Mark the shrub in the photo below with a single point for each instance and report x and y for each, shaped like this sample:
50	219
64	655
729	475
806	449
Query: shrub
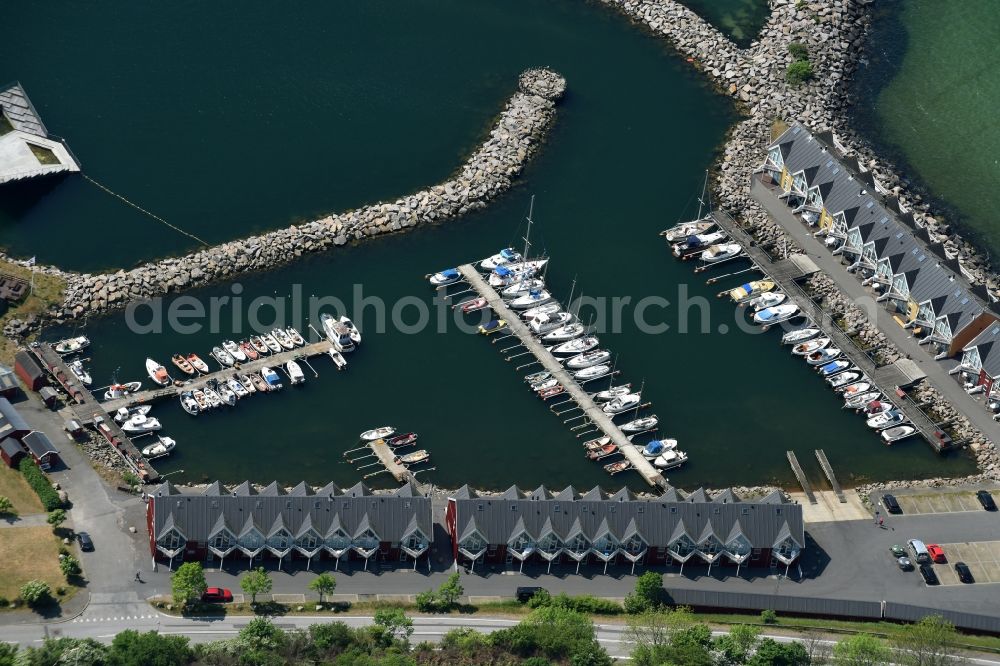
69	566
768	616
799	72
36	593
444	598
56	518
427	601
4	602
6	506
648	594
799	51
36	479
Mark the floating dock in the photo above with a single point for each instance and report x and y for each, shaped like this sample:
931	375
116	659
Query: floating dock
801	476
583	400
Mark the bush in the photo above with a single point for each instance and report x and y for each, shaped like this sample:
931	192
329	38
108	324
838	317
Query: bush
6	507
36	593
648	594
130	648
40	484
69	566
799	72
585	603
444	598
768	616
799	51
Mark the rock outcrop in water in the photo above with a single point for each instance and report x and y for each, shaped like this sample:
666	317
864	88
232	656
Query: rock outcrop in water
487	173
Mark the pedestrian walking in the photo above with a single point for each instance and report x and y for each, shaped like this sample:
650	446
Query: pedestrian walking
880	522
138	577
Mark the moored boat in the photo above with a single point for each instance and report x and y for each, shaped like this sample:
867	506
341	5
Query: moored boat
641	425
76	367
531	299
777	314
182	364
492	326
834	367
197	363
355	333
227	394
199	397
622	403
236	387
503	257
578	346
721	252
272	378
234	350
223	357
800	335
138	424
888	419
593	372
157	372
684	229
876	407
419	456
697	243
259	345
259	383
295	374
117	390
189	404
445	277
537	376
272	344
72	345
596	443
603	452
213	398
474	305
844	378
125	413
377	433
767	300
247	383
855	389
613	392
565	333
162	447
896	433
670	459
295	337
806	348
337	333
249	350
338	358
750	290
860	400
550	322
547	393
548	308
657	448
522	287
405	439
282	338
617	467
823	356
588	358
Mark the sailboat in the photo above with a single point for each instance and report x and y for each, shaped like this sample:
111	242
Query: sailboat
577	346
622	403
589	358
522	287
548	323
531	299
699	225
697	243
613	392
564	333
503	257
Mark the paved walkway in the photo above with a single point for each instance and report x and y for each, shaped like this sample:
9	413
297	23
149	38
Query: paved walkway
33	520
937	373
829	508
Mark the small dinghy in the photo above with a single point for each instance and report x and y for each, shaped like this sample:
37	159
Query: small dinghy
295	374
199	397
501	258
670	459
295	337
801	335
888	419
641	425
213	398
234	350
896	433
116	391
767	300
272	344
445	277
377	433
856	388
844	378
721	252
522	287
163	446
223	357
474	305
613	392
259	383
248	349
860	400
684	229
806	348
564	333
589	358
876	407
182	364
603	452
236	387
282	338
547	393
259	345
776	315
76	367
531	299
596	443
578	346
622	403
657	448
247	383
696	243
272	378
748	291
138	424
406	439
823	356
551	322
125	413
617	467
157	373
71	345
833	368
189	404
593	372
337	358
197	363
414	458
493	326
548	308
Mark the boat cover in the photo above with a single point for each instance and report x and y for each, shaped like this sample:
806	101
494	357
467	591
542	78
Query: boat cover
502	271
450	273
507	254
692	241
654	447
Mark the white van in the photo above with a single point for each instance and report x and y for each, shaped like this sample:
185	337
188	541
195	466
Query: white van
919	550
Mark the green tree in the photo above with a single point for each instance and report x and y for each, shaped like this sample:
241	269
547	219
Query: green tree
331	636
861	650
70	566
450	591
772	653
188	583
926	643
260	634
590	654
323	584
648	593
36	593
131	648
427	601
6	507
8	654
739	644
799	72
395	622
799	51
256	582
555	631
658	629
56	518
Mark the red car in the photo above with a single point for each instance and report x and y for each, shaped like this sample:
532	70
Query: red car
936	552
217	595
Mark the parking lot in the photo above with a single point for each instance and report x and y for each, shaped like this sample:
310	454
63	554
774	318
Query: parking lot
938	503
983	558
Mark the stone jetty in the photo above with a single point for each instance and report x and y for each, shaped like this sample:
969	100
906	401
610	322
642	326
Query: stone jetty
488	172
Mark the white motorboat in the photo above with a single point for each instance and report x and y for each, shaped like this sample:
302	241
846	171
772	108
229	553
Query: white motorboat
876	407
721	252
592	372
888	419
162	447
622	403
548	308
531	299
213	398
522	287
77	369
501	258
749	290
202	402
295	374
445	277
259	345
377	433
859	400
117	390
613	392
227	394
138	424
767	300
247	382
337	358
844	378
823	356
550	322
223	357
125	413
237	387
271	343
801	335
545	384
681	231
641	425
589	358
777	314
355	333
272	378
856	388
71	345
536	377
564	333
894	434
295	337
157	372
507	275
337	333
670	459
234	350
189	404
656	448
577	346
697	243
834	367
806	348
282	338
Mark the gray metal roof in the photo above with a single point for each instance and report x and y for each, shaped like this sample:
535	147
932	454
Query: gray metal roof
8	379
10	419
20	111
39	444
11	447
658	521
988	344
200	516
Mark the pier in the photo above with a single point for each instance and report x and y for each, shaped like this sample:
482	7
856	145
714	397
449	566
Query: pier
801	476
831	477
583	400
783	273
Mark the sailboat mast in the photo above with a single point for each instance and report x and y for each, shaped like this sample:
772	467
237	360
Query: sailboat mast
527	235
701	199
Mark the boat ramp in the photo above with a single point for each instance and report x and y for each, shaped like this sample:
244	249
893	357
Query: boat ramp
577	394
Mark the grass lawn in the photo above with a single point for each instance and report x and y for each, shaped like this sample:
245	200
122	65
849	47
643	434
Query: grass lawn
29	553
48	290
14	487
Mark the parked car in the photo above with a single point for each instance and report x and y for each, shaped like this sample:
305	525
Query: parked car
964	573
919	551
217	595
937	553
86	543
904	563
897	550
524	594
927	571
890	504
986	500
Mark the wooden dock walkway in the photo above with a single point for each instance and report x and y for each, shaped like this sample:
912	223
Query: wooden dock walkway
801	476
822	320
831	477
387	457
596	415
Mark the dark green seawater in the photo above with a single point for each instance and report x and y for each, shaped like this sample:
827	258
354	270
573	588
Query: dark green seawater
307	111
740	20
927	99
